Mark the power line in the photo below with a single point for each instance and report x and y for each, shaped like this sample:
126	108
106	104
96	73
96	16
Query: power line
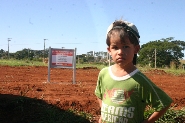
66	43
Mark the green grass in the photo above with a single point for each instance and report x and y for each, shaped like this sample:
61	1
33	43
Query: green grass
175	71
20	109
171	116
99	66
167	70
13	62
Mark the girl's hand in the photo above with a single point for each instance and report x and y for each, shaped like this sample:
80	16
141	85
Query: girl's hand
99	121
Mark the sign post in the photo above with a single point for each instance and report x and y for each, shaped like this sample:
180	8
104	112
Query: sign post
62	58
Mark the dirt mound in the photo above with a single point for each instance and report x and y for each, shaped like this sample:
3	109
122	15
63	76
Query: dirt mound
89	68
157	71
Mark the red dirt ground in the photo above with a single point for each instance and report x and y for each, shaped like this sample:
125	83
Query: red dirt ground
32	82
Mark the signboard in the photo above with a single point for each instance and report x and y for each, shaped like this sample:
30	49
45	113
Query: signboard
62	58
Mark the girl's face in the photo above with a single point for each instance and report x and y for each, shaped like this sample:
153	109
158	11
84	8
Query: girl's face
122	52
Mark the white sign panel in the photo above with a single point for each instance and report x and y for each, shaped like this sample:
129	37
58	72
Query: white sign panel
62	57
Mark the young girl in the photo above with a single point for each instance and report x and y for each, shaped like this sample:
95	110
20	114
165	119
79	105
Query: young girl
123	91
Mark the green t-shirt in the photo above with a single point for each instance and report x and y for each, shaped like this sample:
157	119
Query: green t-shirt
125	98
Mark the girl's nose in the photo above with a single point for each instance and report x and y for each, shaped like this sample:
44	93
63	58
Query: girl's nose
120	51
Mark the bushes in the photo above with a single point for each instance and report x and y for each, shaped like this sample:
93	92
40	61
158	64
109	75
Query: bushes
171	116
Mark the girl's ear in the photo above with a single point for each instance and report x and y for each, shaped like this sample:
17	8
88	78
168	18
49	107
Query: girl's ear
108	49
137	48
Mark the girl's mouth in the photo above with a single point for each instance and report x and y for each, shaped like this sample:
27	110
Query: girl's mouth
120	59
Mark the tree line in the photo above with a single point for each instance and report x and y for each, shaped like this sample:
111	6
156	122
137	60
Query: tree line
162	52
158	53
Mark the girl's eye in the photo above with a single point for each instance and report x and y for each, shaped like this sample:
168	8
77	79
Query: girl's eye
125	46
115	48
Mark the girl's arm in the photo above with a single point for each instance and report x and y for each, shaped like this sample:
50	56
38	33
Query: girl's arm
100	103
155	116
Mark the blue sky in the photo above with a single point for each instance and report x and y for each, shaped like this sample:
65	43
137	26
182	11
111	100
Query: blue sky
82	24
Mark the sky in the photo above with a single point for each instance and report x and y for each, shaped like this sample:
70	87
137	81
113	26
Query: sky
82	24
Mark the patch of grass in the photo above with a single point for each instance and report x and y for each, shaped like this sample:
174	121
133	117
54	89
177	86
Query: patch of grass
167	70
175	71
171	116
99	66
13	62
19	109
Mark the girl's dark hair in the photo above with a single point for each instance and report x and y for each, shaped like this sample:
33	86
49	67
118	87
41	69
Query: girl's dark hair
124	31
122	28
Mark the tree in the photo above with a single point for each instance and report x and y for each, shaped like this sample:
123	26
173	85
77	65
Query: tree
167	50
24	54
2	54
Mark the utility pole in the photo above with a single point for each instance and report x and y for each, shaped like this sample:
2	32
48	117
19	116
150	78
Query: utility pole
155	58
44	48
8	47
28	53
108	58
